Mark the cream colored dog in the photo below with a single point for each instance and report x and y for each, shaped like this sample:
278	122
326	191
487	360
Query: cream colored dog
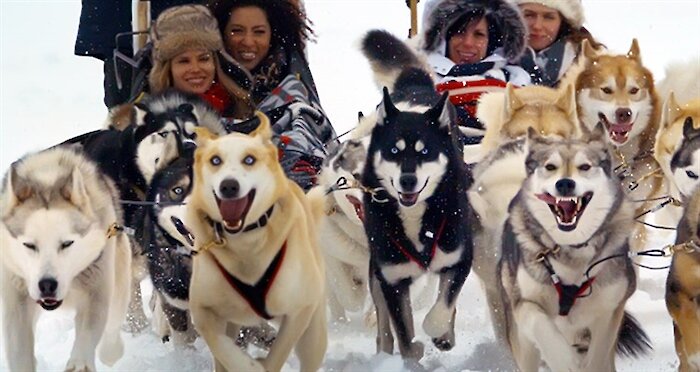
256	233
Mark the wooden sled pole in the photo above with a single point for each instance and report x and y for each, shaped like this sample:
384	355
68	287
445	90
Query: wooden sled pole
141	23
413	4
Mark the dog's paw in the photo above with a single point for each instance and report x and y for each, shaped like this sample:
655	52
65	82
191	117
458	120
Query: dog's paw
445	342
414	351
80	366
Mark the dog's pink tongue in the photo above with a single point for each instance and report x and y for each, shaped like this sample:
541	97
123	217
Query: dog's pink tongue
568	209
233	210
619	132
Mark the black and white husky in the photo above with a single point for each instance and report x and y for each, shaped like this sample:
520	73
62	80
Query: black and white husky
565	273
416	211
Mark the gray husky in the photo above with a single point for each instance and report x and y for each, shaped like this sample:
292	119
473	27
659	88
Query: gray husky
60	246
565	270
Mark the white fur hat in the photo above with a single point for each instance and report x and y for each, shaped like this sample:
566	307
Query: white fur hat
572	10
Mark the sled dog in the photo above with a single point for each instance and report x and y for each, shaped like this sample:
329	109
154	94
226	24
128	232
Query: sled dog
618	91
256	234
416	215
60	247
346	252
678	145
562	306
682	78
500	174
683	287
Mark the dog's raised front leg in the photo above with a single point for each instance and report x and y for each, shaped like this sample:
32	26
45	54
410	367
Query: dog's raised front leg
601	350
535	325
398	302
385	339
312	345
291	329
223	348
439	323
18	313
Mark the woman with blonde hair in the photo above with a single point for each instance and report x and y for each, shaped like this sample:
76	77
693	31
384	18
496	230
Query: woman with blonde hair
188	55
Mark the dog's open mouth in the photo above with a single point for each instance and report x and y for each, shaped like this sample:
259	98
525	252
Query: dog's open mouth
49	303
234	211
408	199
566	210
618	133
357	204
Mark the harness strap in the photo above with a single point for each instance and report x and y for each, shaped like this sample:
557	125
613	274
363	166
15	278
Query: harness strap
255	295
425	262
568	294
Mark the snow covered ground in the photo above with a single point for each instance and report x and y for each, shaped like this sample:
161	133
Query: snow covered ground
48	95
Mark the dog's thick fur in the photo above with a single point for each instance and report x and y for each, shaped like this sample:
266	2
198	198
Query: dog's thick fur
237	179
682	78
416	222
569	213
500	174
683	287
54	249
677	146
346	252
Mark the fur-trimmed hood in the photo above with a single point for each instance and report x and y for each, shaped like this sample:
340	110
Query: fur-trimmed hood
439	15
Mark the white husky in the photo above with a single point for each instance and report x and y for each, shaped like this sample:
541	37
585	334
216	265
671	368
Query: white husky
59	244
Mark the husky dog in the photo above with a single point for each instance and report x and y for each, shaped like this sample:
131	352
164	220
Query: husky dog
416	215
346	254
256	234
507	116
618	91
59	243
162	128
683	287
678	145
682	78
561	304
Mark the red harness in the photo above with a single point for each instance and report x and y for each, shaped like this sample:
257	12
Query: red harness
425	262
568	294
255	295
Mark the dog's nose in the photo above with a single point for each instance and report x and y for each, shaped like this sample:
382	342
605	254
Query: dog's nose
565	186
408	182
47	287
229	188
623	115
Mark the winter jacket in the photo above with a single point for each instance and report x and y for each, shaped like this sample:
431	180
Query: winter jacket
549	65
466	82
303	133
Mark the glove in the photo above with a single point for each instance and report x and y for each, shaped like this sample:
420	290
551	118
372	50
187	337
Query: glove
299	108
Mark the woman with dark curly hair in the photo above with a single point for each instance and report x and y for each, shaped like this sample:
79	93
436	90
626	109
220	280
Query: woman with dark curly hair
268	37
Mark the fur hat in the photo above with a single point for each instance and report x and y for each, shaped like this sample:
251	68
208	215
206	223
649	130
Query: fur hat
571	10
440	15
183	27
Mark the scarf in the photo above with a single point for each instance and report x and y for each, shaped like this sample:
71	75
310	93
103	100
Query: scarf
268	74
547	65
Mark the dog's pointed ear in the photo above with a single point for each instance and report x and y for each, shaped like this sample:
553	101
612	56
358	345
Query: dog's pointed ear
633	53
386	109
689	130
513	103
532	134
567	102
440	113
15	193
588	50
140	113
202	135
264	130
75	191
596	135
671	111
185	108
360	115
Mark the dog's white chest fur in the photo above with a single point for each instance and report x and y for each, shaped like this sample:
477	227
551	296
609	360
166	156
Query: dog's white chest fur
412	221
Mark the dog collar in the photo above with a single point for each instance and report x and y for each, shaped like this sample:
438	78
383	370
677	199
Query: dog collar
262	221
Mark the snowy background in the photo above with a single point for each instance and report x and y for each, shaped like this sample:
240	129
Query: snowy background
48	95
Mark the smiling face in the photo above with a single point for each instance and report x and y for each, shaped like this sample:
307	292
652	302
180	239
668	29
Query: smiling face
193	71
248	36
543	24
469	45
